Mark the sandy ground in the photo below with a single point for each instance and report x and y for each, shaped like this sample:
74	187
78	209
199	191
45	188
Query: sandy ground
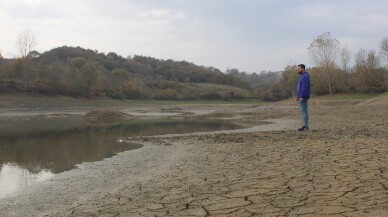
339	168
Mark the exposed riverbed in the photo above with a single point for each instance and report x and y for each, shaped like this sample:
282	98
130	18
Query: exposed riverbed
338	168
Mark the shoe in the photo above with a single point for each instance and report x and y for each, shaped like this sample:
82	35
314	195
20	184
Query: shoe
303	128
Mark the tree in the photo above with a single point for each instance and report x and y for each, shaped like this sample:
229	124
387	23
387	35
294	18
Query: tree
34	54
369	74
25	44
346	56
112	56
289	80
384	48
78	62
120	73
324	51
89	78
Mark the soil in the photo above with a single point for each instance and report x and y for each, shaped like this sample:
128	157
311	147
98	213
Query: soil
338	168
106	116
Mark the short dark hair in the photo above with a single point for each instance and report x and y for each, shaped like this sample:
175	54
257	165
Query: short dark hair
302	66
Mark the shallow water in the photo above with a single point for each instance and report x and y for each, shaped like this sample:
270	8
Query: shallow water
30	155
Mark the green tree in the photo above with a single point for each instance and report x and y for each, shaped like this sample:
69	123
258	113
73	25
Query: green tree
89	78
78	62
121	74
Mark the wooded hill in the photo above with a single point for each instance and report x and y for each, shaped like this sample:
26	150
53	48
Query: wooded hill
75	71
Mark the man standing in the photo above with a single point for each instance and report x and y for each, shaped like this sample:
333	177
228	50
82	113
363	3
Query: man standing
303	95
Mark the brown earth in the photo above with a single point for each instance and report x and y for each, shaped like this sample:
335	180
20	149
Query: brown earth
106	116
338	168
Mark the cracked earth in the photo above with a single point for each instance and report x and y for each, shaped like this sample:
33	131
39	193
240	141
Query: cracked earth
339	168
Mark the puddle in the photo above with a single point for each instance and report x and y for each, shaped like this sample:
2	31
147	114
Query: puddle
14	177
35	151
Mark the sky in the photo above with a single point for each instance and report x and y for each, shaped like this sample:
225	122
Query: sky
250	35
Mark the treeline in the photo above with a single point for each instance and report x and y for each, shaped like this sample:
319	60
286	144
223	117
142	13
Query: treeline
262	84
337	70
75	71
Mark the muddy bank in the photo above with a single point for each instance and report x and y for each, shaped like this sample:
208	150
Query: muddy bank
339	168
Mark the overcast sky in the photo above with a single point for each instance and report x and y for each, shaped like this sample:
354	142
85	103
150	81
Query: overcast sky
251	35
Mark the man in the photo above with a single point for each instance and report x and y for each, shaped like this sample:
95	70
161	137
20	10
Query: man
303	95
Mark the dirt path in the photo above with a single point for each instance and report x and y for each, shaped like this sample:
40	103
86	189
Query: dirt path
339	168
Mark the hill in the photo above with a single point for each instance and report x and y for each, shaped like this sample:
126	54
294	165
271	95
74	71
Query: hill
82	72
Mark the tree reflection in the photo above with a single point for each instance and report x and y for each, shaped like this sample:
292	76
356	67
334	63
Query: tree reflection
58	151
14	178
26	158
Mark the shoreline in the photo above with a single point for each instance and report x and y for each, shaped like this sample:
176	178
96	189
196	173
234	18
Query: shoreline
147	162
76	184
338	168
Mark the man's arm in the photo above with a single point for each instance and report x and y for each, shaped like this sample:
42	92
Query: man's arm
303	92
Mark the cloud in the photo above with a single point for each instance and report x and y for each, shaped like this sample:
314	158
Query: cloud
249	35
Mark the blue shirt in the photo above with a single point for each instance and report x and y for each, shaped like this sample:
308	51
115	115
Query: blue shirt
303	87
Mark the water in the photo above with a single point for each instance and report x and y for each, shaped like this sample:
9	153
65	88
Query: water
14	178
33	154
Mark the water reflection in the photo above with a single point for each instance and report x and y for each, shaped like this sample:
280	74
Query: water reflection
13	178
33	156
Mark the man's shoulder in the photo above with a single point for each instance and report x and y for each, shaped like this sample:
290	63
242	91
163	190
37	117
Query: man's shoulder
306	74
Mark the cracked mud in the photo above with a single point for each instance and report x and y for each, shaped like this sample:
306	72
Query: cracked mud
340	168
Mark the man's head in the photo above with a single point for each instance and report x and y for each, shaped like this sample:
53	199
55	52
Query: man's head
301	68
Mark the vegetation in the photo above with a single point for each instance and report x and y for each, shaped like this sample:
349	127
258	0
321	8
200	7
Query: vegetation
76	72
334	73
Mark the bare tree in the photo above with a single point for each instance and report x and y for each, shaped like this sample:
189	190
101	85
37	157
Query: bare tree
384	48
25	44
360	56
366	60
324	51
369	76
345	59
373	60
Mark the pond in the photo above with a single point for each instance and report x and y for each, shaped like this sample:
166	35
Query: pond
34	152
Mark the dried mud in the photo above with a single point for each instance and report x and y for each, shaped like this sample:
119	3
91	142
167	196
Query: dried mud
339	168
